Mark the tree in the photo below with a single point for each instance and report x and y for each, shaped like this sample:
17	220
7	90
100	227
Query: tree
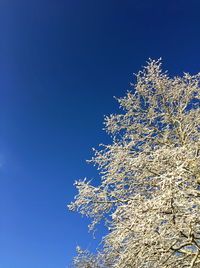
149	194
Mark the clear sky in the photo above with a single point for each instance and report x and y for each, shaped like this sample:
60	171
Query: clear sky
61	63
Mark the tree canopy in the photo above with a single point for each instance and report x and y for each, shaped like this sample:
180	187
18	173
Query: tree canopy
149	196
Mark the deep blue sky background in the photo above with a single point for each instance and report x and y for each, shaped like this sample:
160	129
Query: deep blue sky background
61	63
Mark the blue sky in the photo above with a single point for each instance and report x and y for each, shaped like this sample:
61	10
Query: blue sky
61	63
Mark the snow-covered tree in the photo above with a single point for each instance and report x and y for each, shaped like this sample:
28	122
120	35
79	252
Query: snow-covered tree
149	196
